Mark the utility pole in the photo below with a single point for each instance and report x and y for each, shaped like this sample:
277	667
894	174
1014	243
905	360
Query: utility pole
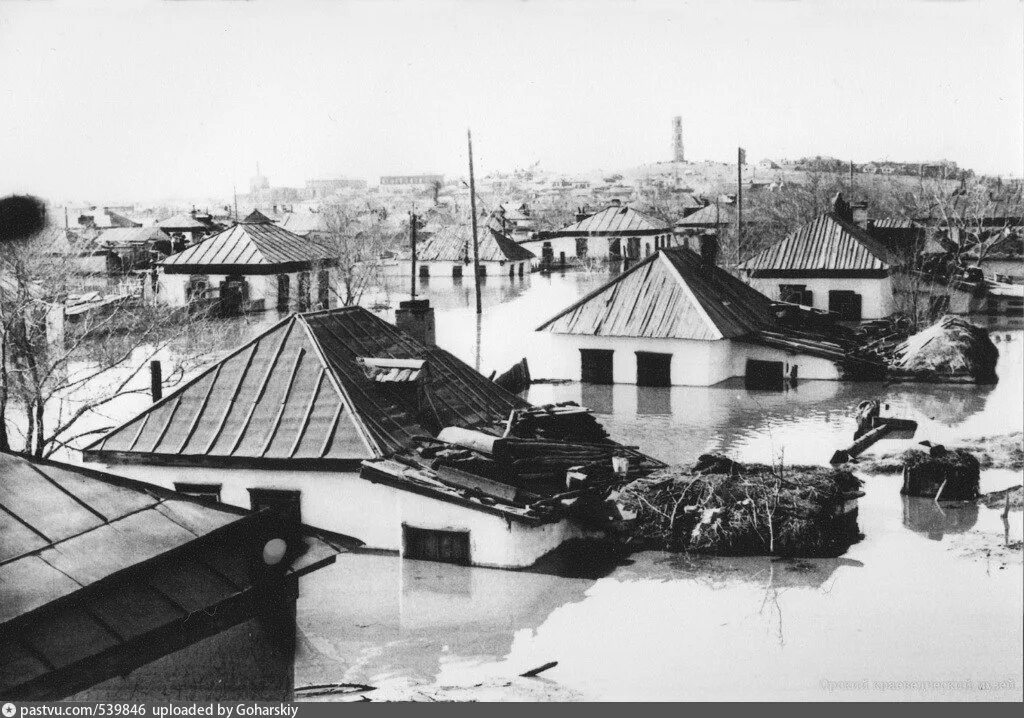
851	174
741	157
234	192
472	209
412	241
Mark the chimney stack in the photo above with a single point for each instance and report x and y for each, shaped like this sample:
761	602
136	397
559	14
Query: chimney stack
580	214
415	317
616	202
859	214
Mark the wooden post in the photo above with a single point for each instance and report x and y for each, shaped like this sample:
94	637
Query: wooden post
156	382
412	241
472	208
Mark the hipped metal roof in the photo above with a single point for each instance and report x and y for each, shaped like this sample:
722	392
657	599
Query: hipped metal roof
672	294
259	245
97	573
181	221
712	215
827	244
614	220
454	243
122	236
299	394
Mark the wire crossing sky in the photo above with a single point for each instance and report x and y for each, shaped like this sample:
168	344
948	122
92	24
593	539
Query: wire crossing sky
140	101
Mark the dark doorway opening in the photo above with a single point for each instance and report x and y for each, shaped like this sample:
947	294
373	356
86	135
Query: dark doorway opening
304	292
435	545
323	289
456	271
653	369
596	366
764	374
846	304
233	294
284	284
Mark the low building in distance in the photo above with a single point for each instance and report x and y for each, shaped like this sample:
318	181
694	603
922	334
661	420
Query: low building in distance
448	252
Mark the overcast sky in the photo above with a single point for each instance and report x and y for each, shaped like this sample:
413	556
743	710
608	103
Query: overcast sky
136	101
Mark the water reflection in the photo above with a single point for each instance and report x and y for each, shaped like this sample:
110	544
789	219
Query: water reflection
935	520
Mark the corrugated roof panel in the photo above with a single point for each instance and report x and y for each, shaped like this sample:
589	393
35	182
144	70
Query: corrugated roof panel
615	220
826	244
252	244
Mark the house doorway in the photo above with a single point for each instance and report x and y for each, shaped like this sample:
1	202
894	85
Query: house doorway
653	369
436	545
596	366
764	375
284	286
233	294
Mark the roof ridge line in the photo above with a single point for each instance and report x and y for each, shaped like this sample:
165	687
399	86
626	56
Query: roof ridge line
693	297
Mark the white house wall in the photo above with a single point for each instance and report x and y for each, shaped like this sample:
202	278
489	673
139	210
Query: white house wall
174	287
694	362
597	246
876	294
345	503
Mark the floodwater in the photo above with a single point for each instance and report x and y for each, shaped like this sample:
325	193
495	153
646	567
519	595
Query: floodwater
928	605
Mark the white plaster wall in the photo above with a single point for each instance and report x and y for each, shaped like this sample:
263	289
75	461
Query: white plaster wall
443	270
173	287
694	363
344	503
876	294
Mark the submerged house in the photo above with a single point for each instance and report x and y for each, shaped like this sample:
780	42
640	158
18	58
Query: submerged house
448	252
252	266
111	589
130	248
615	233
830	264
325	411
678	319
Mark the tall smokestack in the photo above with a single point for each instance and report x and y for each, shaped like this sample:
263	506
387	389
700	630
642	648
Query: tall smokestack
678	154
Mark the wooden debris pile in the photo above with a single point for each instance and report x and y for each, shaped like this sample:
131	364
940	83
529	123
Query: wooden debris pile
951	350
723	507
565	421
941	474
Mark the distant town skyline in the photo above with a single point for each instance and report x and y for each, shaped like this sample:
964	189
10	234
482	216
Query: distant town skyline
140	102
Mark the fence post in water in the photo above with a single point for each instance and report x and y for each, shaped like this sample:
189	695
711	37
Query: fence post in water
156	382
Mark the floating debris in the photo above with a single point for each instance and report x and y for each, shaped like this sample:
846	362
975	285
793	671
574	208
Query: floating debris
951	350
941	474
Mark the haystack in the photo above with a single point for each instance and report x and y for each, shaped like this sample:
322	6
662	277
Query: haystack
723	507
948	475
949	350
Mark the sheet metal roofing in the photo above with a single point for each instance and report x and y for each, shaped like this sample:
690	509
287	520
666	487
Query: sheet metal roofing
454	243
120	236
827	244
250	245
66	529
299	392
671	295
712	215
182	221
615	220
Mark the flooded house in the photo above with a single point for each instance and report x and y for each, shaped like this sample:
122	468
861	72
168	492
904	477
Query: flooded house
111	589
448	252
831	264
332	413
615	233
185	229
251	266
1000	258
678	319
514	219
129	248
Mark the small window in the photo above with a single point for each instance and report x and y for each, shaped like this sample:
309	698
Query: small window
483	270
845	304
795	294
283	291
288	503
764	374
210	492
456	272
581	247
424	271
323	289
435	545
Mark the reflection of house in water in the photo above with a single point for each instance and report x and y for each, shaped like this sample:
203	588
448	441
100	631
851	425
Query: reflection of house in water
935	520
410	618
111	591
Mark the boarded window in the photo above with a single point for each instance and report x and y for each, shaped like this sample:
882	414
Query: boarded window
653	369
845	304
287	502
210	492
596	366
764	374
434	545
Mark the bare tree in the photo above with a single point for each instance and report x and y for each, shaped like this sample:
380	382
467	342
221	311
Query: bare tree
356	238
58	373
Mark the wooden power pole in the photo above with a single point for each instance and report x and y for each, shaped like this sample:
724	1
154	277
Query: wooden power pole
412	242
741	156
472	209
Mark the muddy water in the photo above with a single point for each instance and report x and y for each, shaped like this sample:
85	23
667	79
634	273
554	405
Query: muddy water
927	606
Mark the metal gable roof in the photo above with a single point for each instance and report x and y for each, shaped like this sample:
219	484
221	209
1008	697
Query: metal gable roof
826	244
454	243
712	215
670	295
120	236
261	244
182	220
615	220
299	392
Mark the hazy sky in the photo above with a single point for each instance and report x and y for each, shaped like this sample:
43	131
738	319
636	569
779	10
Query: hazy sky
142	100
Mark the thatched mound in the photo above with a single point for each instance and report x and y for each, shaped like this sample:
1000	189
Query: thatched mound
950	349
723	507
949	475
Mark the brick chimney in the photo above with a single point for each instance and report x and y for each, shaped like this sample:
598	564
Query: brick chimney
415	317
580	214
